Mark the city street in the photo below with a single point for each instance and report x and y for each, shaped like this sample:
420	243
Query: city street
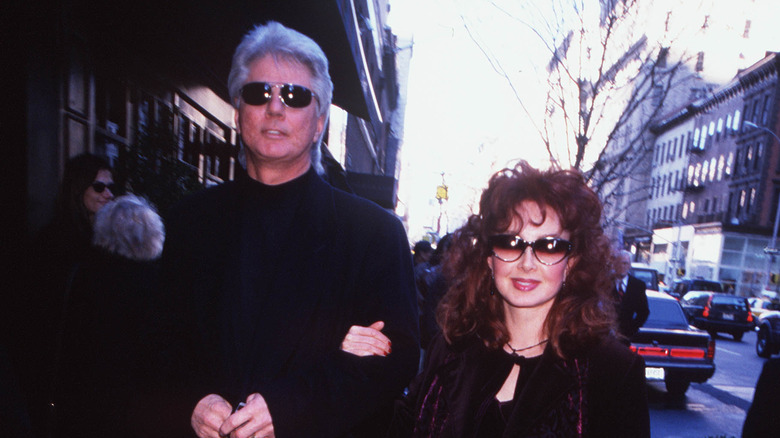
716	408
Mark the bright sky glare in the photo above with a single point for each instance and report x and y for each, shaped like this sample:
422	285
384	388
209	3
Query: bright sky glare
462	116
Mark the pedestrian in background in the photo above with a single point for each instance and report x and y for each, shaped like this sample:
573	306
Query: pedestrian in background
629	296
268	272
762	420
421	256
107	348
436	286
54	256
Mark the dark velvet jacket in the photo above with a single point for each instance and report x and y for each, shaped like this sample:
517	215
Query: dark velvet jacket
601	393
346	262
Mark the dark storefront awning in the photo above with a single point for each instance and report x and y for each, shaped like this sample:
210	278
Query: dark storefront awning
196	40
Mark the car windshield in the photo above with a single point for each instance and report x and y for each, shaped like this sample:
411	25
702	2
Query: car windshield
731	303
706	285
647	276
665	313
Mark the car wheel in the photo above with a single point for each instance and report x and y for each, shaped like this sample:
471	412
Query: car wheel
737	336
677	387
762	343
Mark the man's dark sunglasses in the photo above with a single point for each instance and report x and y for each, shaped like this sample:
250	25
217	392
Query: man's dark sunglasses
548	250
100	186
259	93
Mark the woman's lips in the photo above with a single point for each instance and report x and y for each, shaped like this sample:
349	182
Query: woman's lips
524	284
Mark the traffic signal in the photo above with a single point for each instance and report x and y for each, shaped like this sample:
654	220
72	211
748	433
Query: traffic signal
774	278
681	272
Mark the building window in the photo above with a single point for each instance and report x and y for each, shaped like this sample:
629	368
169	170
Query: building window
735	126
674	148
691	171
721	165
682	144
719	129
705	168
765	113
685	211
697	175
706	206
729	163
759	155
756	112
753	196
703	138
713	164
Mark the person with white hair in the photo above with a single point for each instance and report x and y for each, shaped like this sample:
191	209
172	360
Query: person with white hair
268	272
104	366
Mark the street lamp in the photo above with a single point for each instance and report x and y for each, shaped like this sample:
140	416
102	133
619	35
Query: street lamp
771	250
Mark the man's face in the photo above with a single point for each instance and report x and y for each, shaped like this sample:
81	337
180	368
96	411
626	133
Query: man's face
278	138
622	265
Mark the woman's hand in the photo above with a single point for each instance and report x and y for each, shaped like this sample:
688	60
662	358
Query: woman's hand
367	341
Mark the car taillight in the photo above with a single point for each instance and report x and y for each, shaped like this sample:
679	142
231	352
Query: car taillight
706	312
711	349
687	353
678	353
750	317
651	351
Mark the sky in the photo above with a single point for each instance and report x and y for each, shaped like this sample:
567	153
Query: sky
464	119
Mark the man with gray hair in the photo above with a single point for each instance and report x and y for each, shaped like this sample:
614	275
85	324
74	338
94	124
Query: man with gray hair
630	297
270	271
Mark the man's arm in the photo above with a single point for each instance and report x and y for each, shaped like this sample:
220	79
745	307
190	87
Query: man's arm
339	391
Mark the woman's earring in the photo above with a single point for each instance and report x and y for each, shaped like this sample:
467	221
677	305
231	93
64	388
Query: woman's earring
492	284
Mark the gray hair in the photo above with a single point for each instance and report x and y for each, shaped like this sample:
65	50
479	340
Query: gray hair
283	43
130	227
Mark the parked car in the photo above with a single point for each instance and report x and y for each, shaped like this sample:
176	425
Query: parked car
759	306
647	274
685	285
674	352
768	337
718	313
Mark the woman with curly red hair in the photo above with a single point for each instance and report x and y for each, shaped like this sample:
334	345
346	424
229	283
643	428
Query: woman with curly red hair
528	344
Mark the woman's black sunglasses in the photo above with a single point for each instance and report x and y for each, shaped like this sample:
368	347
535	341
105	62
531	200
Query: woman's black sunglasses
548	250
293	96
100	186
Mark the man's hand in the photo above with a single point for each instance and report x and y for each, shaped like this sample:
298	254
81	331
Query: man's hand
251	421
209	414
367	341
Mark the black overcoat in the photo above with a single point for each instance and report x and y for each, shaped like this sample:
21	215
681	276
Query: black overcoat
347	262
632	309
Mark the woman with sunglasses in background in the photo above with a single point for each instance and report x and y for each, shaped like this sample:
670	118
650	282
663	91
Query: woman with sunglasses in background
55	255
528	345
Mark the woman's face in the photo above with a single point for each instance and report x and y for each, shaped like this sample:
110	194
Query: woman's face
526	283
94	200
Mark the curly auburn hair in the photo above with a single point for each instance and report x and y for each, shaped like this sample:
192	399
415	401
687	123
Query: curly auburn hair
582	313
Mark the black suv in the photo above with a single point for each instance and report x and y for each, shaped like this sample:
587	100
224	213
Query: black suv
685	285
716	312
